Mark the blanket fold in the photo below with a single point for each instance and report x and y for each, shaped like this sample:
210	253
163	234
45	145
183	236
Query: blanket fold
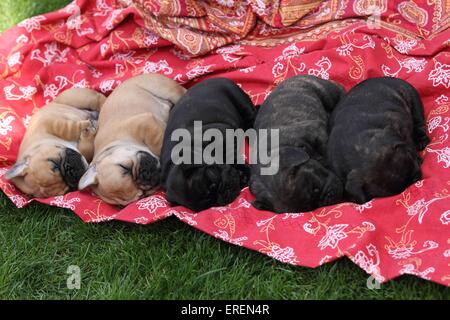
258	44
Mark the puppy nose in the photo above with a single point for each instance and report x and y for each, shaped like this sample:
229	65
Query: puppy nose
331	194
72	168
148	173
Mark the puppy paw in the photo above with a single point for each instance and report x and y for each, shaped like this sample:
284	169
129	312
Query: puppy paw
262	205
258	205
88	129
93	115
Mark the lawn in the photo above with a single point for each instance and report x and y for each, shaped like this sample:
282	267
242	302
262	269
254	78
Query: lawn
168	260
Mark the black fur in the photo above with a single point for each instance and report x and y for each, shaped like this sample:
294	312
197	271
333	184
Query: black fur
299	107
220	104
377	131
147	171
72	168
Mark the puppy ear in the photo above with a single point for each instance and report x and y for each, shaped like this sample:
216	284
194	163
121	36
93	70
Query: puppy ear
262	205
295	161
294	156
19	169
263	198
90	178
175	184
354	187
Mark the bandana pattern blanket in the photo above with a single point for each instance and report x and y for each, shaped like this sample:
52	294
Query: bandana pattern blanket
258	44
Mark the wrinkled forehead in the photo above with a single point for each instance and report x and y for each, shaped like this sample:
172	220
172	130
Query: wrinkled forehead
45	152
307	175
389	156
116	154
111	170
287	156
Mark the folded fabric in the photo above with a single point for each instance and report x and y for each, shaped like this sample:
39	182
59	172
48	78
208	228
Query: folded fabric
201	26
258	44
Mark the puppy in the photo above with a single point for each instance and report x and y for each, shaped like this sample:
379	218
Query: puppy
126	164
58	145
220	105
377	130
299	107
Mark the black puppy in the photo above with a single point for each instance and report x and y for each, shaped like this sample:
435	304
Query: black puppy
219	104
299	107
376	132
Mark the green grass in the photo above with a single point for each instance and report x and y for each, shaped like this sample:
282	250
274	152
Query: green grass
14	11
168	260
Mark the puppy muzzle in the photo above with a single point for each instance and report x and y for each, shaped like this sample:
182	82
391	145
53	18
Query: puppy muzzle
230	186
148	171
73	166
333	191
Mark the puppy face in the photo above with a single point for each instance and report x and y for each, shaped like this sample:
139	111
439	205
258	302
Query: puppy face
302	184
48	171
199	187
122	175
392	170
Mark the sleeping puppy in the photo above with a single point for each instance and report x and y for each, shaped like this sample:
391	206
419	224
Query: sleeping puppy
126	164
377	130
299	107
58	145
219	104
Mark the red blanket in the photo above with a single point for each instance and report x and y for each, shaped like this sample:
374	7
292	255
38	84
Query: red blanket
100	43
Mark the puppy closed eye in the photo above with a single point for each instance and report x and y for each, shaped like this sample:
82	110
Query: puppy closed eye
126	170
308	148
56	164
304	147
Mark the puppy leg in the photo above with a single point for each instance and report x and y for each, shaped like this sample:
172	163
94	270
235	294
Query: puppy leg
147	129
168	91
263	198
65	129
82	98
354	187
86	143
